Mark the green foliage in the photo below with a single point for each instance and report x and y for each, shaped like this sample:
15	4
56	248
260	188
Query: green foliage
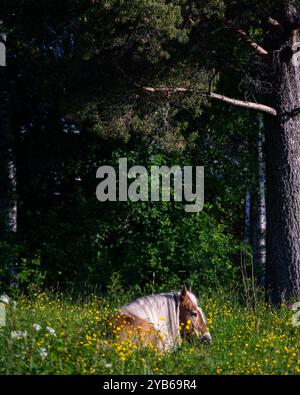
81	242
29	274
146	237
7	253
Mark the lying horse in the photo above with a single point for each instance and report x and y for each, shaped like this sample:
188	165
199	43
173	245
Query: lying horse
162	320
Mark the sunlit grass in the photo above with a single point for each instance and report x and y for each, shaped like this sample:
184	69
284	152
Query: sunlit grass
50	334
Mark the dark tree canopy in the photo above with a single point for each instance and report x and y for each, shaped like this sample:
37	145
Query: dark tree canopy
158	82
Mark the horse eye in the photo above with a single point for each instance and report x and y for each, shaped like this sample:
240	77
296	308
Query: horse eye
193	313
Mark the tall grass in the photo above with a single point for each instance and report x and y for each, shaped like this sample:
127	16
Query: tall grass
56	334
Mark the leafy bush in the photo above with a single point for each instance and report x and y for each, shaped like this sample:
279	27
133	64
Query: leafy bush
81	242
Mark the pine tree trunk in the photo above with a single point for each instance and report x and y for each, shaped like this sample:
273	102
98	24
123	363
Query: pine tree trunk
283	172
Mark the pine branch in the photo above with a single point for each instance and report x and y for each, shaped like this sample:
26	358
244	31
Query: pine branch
256	47
215	96
273	22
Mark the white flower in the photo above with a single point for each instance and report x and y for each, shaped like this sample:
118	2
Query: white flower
37	327
4	299
50	330
43	352
106	364
18	334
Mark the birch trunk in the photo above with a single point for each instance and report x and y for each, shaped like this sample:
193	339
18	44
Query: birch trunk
247	217
260	221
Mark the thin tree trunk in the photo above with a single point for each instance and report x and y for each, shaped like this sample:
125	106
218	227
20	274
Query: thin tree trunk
247	217
260	221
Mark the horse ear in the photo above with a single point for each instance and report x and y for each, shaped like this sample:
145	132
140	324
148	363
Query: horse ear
183	293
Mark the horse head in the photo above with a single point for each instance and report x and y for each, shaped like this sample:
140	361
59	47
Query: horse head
191	317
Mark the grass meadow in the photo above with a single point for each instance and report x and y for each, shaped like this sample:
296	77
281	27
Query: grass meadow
56	334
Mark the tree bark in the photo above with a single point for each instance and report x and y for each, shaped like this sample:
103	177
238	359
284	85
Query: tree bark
283	172
260	221
247	217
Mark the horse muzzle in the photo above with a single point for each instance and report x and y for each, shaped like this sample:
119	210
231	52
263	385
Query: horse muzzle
206	338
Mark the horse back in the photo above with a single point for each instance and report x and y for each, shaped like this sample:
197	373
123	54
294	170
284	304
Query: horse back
139	331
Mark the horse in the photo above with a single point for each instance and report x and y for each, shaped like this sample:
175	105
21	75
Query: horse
162	321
